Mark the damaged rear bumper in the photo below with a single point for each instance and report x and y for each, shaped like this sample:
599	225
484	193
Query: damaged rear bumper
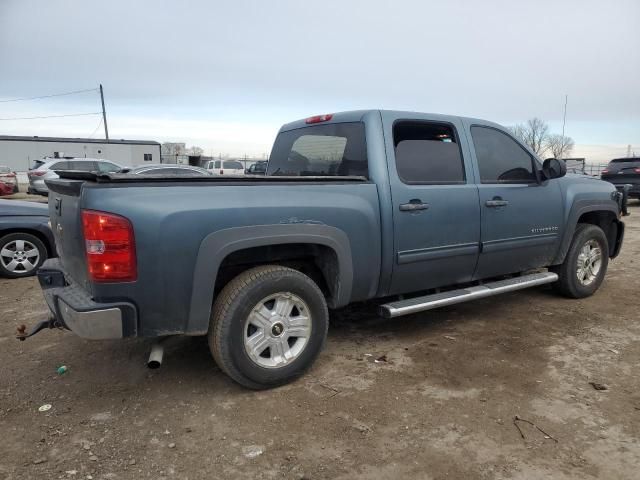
74	308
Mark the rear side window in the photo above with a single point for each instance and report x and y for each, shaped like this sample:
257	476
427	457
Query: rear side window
500	158
427	153
60	166
321	150
232	165
85	166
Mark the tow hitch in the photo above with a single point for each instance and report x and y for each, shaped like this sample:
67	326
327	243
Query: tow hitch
21	331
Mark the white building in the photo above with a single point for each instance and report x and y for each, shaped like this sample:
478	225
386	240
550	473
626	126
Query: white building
18	153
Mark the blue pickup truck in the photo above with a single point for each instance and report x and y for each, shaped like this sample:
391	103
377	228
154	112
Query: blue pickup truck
414	210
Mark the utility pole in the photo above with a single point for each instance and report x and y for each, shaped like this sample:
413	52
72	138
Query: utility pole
104	115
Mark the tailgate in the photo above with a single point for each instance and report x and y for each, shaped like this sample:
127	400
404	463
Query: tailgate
66	224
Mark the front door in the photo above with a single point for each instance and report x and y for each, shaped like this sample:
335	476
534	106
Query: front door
436	213
521	217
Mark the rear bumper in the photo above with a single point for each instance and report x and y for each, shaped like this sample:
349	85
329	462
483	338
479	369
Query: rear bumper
73	307
633	188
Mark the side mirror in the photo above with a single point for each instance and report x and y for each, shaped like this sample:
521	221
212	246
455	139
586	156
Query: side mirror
553	168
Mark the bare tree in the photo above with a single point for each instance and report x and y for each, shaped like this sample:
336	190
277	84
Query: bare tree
534	133
194	151
559	146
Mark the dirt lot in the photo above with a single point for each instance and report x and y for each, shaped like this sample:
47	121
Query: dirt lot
442	405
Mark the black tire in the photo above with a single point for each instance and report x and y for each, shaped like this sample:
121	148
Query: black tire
568	284
227	328
7	241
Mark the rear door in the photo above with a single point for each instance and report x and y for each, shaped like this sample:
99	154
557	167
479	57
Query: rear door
521	217
436	214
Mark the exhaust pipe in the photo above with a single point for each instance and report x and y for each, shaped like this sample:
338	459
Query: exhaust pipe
155	357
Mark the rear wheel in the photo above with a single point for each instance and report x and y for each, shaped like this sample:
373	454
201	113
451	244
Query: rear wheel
586	262
21	254
268	326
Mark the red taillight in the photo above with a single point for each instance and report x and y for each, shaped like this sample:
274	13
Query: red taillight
110	247
319	118
221	172
604	171
36	173
636	170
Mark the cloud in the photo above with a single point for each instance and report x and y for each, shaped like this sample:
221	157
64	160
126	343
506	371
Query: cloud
169	66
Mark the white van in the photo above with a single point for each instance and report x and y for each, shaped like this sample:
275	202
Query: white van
225	167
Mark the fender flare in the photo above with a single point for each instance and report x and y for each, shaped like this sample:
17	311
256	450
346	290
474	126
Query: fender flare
579	208
216	246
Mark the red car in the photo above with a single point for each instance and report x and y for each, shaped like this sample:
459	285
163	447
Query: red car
6	188
9	178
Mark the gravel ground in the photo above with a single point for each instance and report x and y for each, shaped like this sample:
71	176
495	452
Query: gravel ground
431	396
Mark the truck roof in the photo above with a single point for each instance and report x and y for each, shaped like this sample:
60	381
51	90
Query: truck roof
359	116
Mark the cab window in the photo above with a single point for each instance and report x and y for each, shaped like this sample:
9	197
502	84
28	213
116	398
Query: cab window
500	158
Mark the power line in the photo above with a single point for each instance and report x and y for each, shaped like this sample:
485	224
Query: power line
49	96
53	116
96	129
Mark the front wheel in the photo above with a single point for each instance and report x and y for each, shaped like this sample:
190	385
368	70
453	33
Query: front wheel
586	262
268	326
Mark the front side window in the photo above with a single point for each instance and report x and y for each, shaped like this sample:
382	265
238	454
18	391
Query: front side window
83	165
427	153
321	150
500	158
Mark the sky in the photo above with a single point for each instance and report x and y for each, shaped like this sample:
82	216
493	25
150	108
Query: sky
225	75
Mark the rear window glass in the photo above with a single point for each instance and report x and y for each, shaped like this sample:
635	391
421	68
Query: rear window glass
427	153
320	150
36	164
232	164
626	160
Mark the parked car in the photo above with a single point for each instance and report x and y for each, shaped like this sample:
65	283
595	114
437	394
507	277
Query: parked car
225	167
423	211
26	240
258	168
9	177
624	171
6	189
167	169
46	169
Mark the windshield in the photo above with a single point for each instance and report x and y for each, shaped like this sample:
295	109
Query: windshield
320	150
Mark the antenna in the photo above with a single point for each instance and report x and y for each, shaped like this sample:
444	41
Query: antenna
564	117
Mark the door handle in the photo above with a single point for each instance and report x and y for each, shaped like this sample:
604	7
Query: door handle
413	206
496	202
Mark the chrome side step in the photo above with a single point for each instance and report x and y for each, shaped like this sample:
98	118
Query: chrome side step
428	302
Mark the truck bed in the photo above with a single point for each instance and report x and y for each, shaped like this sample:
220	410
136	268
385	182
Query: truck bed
177	225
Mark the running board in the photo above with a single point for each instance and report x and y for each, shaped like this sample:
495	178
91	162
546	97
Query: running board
428	302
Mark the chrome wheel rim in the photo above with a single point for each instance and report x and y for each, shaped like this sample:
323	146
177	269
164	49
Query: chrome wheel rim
19	256
589	262
277	330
